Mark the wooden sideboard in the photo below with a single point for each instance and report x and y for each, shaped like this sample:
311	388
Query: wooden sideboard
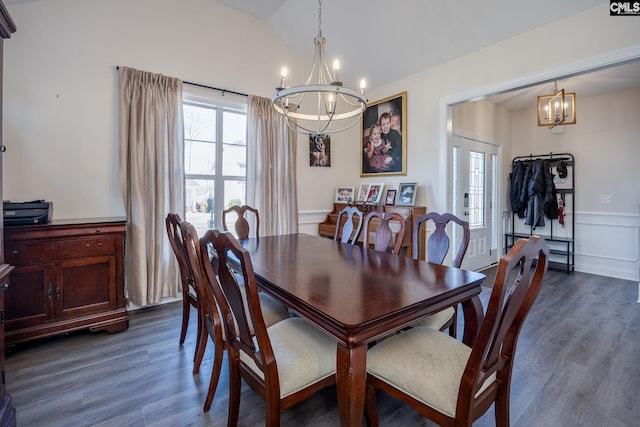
327	227
68	275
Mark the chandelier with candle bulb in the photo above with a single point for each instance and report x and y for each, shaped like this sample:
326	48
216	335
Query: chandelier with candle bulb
322	105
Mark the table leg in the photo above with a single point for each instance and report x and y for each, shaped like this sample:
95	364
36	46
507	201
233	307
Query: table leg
473	317
351	384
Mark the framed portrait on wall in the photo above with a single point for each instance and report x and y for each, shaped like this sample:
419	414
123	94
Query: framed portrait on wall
319	150
407	194
384	137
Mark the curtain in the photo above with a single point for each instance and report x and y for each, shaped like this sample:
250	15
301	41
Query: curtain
271	168
151	174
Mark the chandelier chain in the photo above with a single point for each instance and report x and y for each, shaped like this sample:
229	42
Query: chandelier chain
319	18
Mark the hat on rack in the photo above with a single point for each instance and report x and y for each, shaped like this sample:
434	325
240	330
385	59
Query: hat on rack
562	169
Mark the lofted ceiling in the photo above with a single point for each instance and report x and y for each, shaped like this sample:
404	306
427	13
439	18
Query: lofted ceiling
384	41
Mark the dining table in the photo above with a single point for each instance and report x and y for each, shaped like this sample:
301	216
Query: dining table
357	296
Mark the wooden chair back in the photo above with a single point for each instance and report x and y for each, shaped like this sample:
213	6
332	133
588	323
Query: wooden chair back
202	260
438	242
514	291
251	355
383	235
241	225
352	225
232	303
190	295
486	377
173	222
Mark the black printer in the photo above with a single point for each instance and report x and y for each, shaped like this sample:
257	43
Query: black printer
23	213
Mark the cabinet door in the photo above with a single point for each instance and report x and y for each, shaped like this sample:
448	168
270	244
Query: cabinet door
87	285
29	300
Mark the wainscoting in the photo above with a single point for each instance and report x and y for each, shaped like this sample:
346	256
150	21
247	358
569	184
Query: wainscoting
608	244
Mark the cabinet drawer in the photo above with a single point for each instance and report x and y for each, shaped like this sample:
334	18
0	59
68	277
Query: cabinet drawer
30	252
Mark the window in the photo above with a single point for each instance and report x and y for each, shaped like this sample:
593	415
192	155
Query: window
476	189
215	158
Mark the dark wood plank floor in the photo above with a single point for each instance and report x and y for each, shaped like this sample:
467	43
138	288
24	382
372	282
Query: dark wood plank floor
578	364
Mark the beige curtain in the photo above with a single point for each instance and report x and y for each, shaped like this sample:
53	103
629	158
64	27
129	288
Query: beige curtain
151	174
271	168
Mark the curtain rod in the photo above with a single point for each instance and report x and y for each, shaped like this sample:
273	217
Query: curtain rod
216	88
209	87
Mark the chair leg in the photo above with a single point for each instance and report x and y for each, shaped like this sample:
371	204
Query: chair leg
185	319
215	375
234	391
502	410
273	411
370	407
201	346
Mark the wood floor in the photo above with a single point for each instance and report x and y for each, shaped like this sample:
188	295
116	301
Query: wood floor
577	364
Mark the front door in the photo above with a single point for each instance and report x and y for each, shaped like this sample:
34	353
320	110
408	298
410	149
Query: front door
475	166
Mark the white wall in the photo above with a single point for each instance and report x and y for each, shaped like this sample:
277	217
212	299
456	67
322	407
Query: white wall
604	142
60	85
60	122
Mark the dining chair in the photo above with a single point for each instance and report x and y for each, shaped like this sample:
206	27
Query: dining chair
443	379
204	262
437	248
350	230
241	225
190	296
383	236
284	363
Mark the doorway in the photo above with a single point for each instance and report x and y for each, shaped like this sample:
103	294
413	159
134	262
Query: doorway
475	198
583	72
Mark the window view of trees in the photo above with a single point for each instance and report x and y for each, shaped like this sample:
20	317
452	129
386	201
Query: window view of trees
215	160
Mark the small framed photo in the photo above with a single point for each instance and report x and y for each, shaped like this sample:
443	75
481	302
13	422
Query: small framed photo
319	150
345	194
390	198
363	192
407	194
375	193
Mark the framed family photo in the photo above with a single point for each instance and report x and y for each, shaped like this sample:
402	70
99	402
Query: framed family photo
407	194
384	137
363	192
375	193
345	194
390	198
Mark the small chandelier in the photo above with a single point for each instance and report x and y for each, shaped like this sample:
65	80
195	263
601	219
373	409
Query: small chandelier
557	109
322	105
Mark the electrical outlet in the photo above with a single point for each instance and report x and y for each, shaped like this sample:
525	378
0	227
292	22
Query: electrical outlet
606	198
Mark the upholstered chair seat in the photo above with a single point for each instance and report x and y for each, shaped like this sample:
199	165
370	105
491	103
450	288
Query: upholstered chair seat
443	379
303	352
425	364
439	320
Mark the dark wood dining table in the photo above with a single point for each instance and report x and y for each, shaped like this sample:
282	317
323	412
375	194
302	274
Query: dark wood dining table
357	296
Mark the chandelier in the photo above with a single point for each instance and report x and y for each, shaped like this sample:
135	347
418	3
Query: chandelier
558	108
322	105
